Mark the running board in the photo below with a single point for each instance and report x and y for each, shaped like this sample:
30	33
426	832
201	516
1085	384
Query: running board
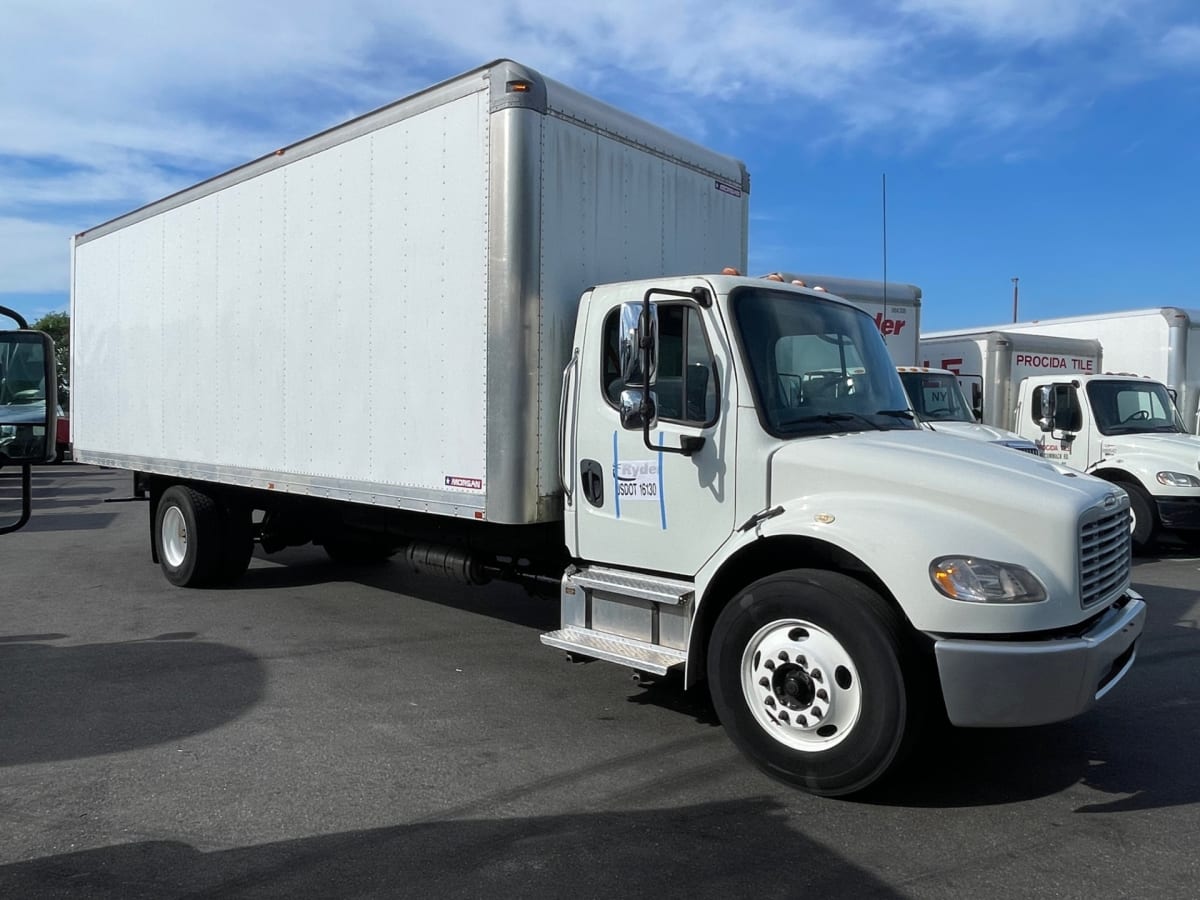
648	658
654	588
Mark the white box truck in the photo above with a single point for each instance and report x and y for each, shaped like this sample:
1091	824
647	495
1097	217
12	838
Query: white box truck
895	308
1162	343
1122	428
461	326
938	401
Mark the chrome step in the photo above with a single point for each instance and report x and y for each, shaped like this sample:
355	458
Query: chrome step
669	591
644	657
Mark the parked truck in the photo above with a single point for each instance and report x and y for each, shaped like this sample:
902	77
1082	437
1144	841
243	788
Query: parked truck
462	327
28	403
934	395
938	401
894	306
1123	428
1162	342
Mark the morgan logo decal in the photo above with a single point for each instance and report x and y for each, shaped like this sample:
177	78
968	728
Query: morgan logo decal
458	481
728	189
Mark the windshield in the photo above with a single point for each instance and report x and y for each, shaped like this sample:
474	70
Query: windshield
818	366
936	396
1133	407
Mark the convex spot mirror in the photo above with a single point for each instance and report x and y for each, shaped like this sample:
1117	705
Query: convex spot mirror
28	397
639	356
1045	398
639	332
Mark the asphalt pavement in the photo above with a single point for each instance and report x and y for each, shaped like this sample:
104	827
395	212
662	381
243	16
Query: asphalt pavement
334	731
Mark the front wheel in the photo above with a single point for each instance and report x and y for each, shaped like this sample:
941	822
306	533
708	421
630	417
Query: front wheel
813	677
1145	525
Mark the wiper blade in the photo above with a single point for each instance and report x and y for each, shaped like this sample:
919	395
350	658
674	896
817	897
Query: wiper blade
896	413
833	418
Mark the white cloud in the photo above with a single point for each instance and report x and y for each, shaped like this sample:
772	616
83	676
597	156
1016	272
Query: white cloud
1033	21
110	103
1181	45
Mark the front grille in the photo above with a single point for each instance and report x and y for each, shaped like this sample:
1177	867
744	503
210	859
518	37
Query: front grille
1034	450
1105	556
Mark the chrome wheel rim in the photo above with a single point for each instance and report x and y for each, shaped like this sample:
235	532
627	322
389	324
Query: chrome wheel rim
174	537
801	685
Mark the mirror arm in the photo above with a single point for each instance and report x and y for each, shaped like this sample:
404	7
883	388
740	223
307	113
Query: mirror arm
688	444
26	501
15	316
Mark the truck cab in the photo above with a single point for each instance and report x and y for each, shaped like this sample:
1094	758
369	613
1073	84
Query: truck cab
1124	429
938	401
741	474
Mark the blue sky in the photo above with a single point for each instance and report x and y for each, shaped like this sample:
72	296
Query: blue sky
1053	140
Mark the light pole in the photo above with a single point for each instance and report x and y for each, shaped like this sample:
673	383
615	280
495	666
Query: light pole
1014	281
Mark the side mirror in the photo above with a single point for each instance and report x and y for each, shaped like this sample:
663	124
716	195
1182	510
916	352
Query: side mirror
977	402
635	412
638	334
28	406
28	397
1046	405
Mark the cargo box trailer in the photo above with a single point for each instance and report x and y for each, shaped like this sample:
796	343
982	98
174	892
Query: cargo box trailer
475	326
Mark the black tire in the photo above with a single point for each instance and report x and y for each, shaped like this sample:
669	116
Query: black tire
188	536
237	544
358	552
811	612
1146	525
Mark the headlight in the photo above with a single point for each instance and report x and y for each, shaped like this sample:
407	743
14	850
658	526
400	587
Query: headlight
984	581
1178	479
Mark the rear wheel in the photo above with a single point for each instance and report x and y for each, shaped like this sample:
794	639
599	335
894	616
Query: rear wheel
813	677
1145	525
188	536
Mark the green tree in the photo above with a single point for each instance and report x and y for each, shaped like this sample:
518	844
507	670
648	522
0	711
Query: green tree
58	326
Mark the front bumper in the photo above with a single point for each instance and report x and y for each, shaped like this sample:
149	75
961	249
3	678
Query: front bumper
1017	683
1181	512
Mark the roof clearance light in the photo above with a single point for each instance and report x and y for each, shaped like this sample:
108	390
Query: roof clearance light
518	87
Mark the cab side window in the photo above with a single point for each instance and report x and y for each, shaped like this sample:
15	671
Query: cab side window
686	383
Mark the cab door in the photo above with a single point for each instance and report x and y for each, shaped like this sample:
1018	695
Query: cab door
1069	442
647	507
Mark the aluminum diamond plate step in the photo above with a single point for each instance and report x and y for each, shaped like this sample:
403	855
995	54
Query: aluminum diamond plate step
609	647
631	584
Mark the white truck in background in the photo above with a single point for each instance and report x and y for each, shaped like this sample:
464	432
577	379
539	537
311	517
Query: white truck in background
937	399
464	326
895	308
1162	343
1122	428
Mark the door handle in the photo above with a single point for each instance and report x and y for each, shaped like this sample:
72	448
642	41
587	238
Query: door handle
591	478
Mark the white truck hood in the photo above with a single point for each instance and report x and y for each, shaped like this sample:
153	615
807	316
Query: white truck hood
959	470
979	432
1148	454
896	500
1179	447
